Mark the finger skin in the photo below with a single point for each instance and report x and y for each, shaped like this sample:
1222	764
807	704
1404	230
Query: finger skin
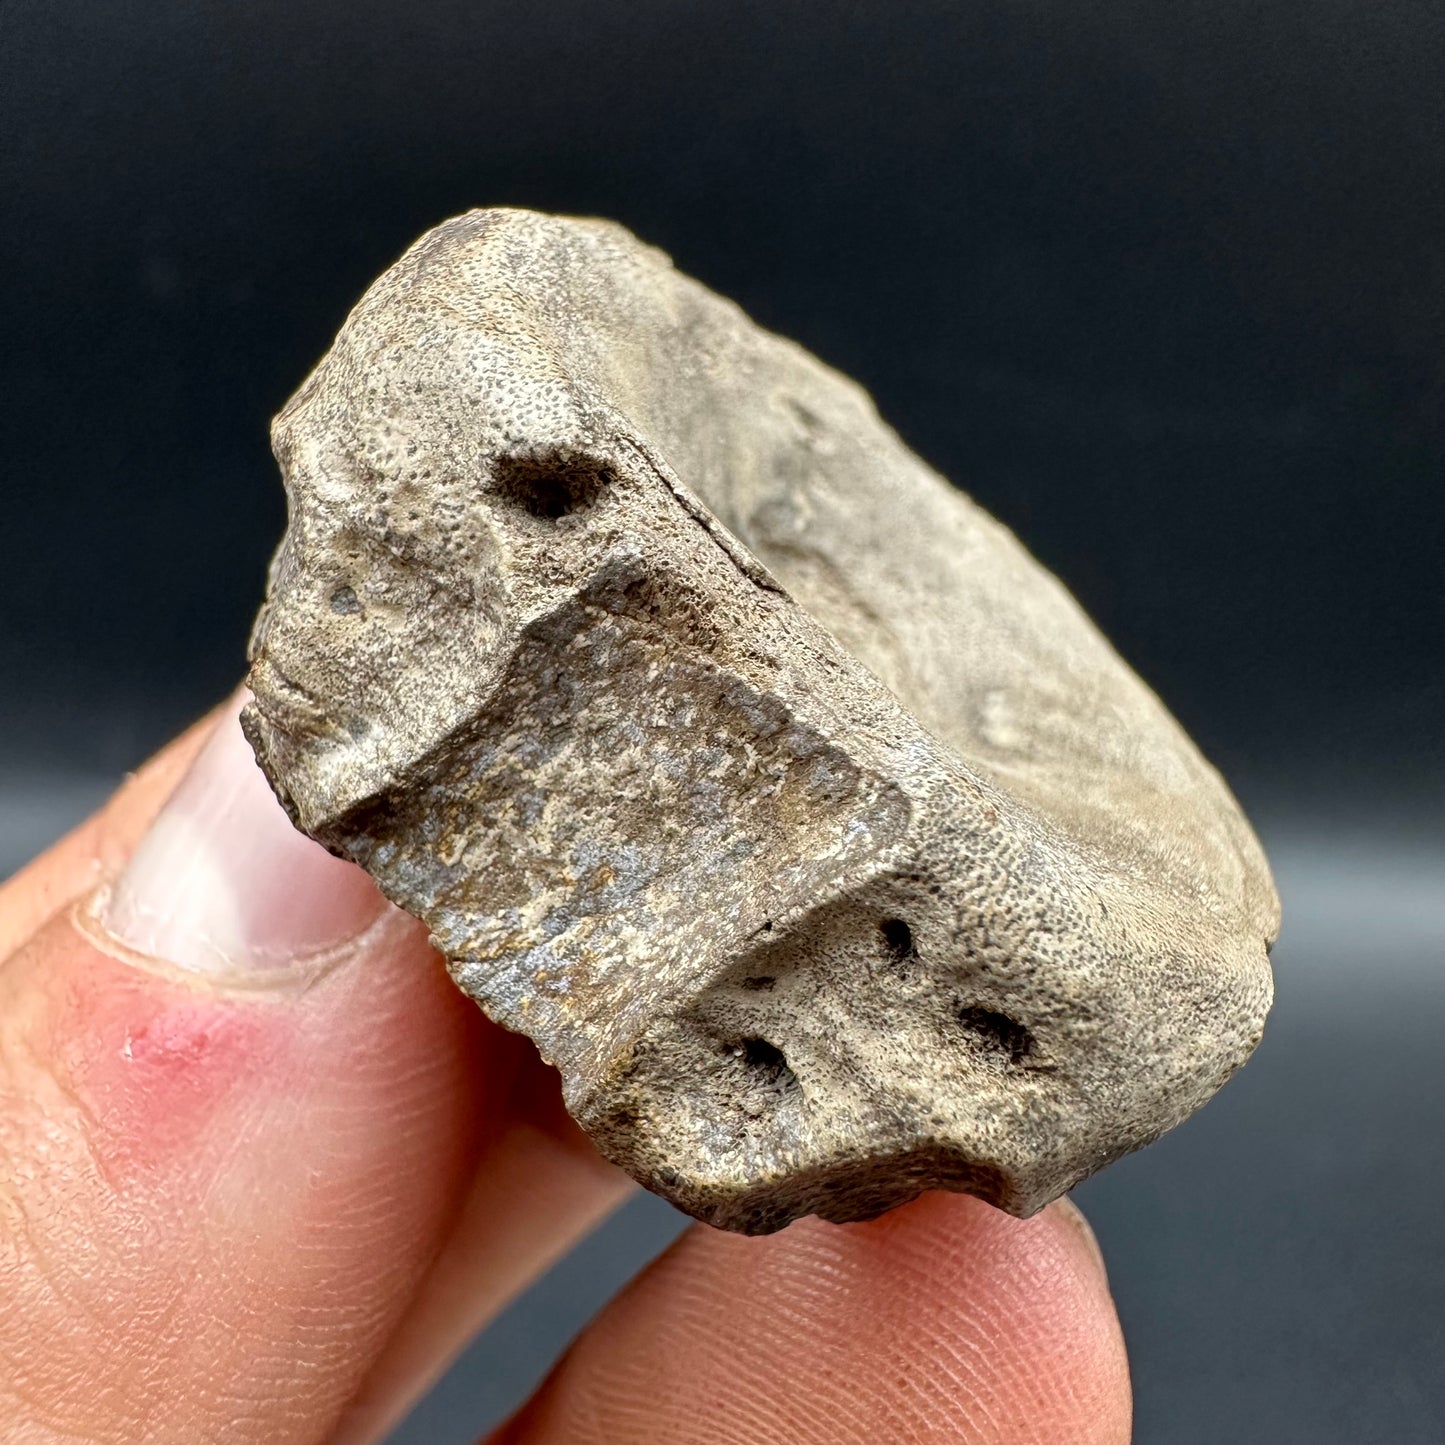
269	1214
214	1208
945	1321
538	1187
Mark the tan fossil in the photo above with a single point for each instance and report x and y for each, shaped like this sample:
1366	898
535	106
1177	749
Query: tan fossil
802	819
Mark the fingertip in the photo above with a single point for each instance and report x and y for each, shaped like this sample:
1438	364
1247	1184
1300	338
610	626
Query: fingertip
242	1111
944	1320
268	1170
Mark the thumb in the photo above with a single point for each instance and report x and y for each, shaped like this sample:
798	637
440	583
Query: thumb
236	1105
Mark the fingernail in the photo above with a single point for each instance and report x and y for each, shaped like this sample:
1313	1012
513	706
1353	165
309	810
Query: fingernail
1069	1211
223	885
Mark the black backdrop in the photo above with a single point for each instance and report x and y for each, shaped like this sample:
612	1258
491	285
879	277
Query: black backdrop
1160	284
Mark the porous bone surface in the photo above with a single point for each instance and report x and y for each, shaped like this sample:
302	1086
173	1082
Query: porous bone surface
801	818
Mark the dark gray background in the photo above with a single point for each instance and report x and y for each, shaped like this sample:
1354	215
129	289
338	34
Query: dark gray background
1160	284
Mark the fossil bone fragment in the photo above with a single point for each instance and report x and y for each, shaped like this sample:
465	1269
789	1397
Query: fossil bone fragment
797	814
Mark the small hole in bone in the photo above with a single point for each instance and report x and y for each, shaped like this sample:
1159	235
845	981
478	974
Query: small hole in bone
997	1032
550	489
765	1063
898	940
345	602
760	983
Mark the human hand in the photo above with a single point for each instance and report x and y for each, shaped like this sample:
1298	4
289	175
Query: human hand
263	1170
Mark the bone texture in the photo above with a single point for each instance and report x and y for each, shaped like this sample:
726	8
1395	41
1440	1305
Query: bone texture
798	815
